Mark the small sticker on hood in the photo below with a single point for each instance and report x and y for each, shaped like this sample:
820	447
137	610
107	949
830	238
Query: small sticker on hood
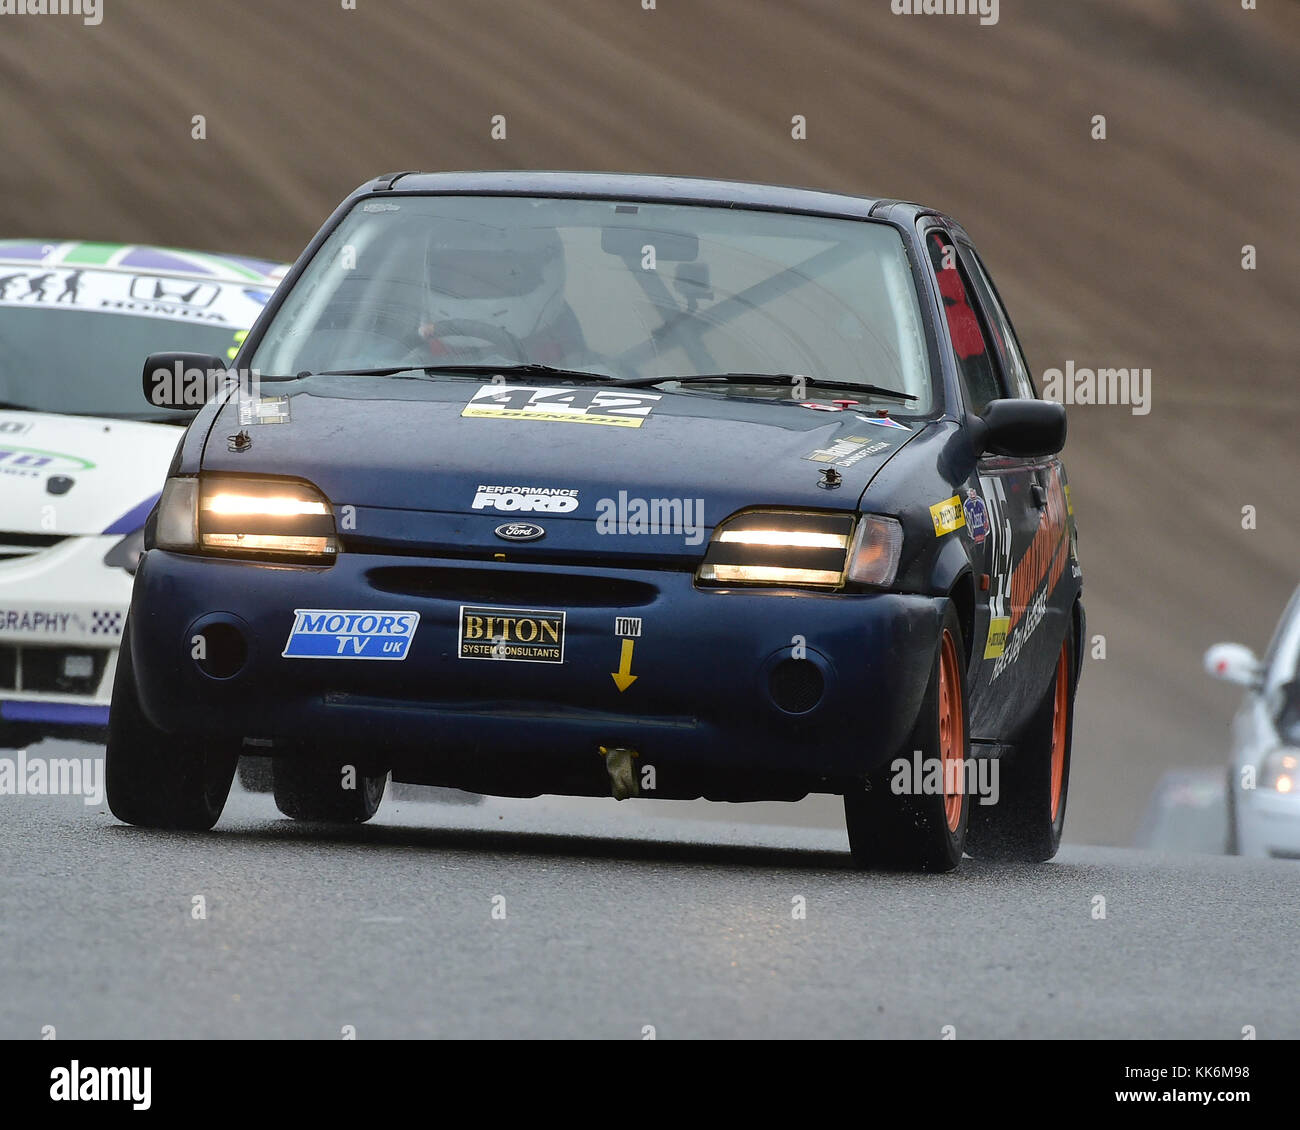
884	422
849	450
264	410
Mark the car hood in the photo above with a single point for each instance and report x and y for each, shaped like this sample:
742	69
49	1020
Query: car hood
430	445
75	475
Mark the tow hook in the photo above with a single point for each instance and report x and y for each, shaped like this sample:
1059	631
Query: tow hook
622	773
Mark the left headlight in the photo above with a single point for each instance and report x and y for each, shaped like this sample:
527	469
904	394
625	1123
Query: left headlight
787	547
281	518
1280	771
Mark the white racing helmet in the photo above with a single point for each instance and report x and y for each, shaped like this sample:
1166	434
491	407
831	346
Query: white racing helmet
505	279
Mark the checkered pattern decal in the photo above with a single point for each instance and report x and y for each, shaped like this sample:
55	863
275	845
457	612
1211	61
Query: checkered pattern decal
106	623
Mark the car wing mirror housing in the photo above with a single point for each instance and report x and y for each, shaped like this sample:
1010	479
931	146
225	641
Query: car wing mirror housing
1022	428
184	381
1234	663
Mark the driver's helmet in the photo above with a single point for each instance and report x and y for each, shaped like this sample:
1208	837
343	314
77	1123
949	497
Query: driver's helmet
502	279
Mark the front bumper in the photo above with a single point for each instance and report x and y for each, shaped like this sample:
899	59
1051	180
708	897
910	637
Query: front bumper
62	611
702	708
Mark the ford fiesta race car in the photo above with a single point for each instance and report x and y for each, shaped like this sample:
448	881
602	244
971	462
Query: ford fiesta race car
593	484
81	458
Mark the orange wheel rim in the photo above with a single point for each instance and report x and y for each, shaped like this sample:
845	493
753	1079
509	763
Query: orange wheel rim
1060	716
952	731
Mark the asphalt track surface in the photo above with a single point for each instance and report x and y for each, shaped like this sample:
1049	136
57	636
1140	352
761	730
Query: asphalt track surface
615	918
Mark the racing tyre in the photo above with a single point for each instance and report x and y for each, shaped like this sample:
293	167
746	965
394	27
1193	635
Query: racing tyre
1025	824
155	779
919	830
308	789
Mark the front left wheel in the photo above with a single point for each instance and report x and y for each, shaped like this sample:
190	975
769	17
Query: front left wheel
1026	823
155	779
914	819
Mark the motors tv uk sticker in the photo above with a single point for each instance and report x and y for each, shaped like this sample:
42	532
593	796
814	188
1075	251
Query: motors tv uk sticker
336	633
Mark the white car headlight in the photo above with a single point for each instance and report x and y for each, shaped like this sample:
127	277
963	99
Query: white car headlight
806	548
281	518
779	547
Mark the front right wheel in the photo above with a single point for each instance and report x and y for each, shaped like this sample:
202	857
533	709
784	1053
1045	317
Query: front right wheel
329	791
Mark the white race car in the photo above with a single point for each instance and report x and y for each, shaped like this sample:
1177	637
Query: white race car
1264	780
81	464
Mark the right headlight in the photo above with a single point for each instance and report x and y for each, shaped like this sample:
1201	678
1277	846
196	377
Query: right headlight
246	516
803	548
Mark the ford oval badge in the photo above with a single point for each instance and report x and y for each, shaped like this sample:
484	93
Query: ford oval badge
520	531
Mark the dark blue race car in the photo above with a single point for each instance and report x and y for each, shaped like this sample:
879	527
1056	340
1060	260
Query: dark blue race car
583	483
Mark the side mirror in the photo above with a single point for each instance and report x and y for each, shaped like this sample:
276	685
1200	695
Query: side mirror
1234	663
184	381
1023	428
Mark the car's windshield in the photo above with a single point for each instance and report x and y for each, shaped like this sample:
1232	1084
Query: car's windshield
615	287
87	363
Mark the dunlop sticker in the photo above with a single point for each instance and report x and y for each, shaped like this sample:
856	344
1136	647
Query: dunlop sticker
947	515
999	629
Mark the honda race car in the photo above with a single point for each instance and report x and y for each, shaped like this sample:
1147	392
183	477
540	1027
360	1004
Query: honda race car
595	484
1263	784
81	458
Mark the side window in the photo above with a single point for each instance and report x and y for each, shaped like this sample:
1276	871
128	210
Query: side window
973	360
1004	337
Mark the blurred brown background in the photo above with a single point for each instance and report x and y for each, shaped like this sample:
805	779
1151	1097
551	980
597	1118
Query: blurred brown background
1124	252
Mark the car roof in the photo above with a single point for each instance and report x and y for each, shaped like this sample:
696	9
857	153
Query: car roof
635	186
137	259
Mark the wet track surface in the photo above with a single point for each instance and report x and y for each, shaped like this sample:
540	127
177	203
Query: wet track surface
616	917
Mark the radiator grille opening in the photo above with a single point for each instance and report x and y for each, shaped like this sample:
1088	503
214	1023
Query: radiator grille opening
52	670
516	587
13	545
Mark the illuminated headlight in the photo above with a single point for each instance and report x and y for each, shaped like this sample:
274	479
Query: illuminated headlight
779	547
1280	771
228	513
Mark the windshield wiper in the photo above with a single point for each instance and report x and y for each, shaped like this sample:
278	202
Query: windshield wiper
529	369
787	380
10	406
